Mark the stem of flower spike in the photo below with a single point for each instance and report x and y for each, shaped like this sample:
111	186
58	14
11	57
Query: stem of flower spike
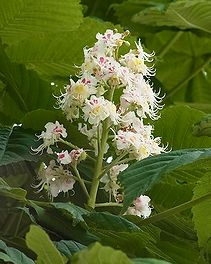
99	164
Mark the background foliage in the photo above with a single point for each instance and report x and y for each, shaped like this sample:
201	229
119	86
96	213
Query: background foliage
40	43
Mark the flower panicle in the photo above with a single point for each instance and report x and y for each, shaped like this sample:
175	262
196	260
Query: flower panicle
112	93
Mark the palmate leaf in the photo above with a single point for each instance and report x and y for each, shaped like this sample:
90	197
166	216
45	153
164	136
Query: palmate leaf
125	10
189	56
142	175
38	241
54	56
24	18
180	14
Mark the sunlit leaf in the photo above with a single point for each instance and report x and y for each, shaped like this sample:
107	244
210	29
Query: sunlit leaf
181	14
98	254
175	127
38	241
23	18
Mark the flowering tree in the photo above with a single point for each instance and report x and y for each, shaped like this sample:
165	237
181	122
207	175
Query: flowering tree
98	170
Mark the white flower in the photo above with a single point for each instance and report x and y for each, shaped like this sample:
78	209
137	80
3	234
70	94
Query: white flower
77	155
97	109
75	95
125	140
64	157
55	178
110	180
135	61
90	133
142	54
52	134
141	207
108	41
115	170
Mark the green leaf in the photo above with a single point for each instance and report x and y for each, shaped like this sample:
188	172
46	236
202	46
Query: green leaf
38	241
24	91
148	261
98	254
180	14
13	255
142	175
68	247
61	223
119	233
15	145
175	127
6	258
202	212
55	60
15	193
189	55
182	252
125	10
23	18
75	211
203	126
108	221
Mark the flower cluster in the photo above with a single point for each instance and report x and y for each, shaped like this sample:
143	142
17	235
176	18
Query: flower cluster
52	135
141	207
110	101
56	178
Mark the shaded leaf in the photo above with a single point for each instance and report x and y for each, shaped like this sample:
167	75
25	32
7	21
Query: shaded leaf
69	247
15	145
142	175
13	255
75	211
61	224
108	221
15	193
24	91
